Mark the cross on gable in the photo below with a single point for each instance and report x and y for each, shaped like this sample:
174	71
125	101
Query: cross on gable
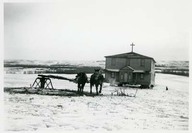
132	45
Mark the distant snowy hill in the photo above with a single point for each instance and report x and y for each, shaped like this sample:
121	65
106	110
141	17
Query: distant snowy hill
174	64
100	63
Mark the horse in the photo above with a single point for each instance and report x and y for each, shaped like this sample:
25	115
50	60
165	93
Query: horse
97	80
81	79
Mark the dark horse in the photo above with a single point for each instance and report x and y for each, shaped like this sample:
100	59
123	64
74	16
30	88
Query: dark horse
81	79
97	80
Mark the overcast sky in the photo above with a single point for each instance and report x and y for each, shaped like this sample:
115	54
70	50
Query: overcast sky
92	29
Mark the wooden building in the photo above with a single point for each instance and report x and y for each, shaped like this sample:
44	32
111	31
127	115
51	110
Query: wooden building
130	68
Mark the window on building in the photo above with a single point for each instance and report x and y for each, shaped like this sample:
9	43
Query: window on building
112	75
142	62
113	62
128	62
142	76
129	76
121	76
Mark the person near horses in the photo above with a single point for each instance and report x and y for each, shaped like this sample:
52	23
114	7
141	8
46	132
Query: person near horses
42	81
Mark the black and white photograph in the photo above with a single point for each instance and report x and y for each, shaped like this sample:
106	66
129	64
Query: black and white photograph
96	65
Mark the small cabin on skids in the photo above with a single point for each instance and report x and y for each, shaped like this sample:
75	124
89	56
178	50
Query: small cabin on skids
130	68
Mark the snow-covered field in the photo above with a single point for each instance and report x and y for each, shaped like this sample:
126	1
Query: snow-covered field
151	108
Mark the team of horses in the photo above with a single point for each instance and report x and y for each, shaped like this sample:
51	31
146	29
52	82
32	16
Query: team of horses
96	80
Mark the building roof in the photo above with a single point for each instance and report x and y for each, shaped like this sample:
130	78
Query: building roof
113	70
134	70
131	55
127	67
138	71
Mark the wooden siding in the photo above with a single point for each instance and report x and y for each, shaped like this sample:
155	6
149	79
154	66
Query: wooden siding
120	62
111	79
135	63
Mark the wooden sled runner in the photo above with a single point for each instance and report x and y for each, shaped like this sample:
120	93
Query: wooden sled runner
53	92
